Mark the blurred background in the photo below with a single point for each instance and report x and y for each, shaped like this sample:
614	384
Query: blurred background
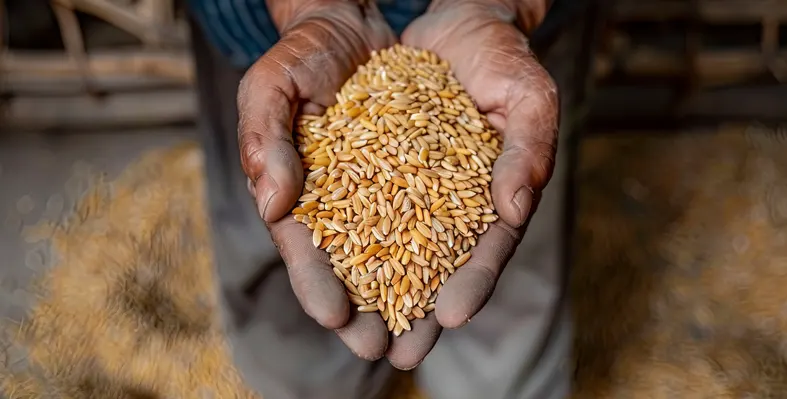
678	153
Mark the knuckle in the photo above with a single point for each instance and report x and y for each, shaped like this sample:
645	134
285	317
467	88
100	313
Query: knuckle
252	154
504	249
543	150
486	276
243	88
534	97
533	147
544	154
534	83
282	236
266	143
541	157
549	91
247	77
541	89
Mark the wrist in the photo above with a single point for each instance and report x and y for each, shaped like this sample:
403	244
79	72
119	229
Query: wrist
527	15
286	13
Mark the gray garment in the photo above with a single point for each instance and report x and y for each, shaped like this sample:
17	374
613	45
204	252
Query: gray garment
517	347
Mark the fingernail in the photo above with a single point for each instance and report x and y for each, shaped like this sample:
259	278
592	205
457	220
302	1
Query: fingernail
523	199
267	188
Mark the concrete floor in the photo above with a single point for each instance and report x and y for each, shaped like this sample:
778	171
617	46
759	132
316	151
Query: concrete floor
679	273
42	177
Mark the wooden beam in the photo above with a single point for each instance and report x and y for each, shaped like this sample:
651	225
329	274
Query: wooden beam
177	67
20	84
147	28
3	27
106	112
719	11
713	67
73	40
158	12
614	105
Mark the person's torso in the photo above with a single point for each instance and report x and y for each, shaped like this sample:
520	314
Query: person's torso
242	29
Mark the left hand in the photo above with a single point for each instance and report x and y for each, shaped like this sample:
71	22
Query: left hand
491	57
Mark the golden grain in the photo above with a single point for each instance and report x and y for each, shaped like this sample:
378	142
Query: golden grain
397	182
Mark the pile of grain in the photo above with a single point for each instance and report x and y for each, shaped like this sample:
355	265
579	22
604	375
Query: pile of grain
397	185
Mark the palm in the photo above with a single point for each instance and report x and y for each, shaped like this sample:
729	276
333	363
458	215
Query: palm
480	59
492	59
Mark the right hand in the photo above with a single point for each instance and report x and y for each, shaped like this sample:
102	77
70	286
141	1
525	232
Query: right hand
322	44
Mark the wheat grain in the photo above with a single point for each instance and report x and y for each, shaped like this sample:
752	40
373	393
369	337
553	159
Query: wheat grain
397	183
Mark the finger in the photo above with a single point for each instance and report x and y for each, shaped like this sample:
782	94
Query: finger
366	336
318	290
408	350
468	289
296	67
265	116
529	144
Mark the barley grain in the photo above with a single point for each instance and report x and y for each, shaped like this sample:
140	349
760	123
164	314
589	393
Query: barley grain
367	308
402	320
397	182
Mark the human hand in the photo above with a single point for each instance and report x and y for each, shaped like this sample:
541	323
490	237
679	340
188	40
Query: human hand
491	57
322	44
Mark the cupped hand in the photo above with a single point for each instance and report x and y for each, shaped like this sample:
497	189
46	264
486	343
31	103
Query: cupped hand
491	58
322	44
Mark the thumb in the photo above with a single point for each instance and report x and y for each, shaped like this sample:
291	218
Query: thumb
267	100
529	147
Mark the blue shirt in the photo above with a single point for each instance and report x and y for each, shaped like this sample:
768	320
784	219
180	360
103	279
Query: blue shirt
243	30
